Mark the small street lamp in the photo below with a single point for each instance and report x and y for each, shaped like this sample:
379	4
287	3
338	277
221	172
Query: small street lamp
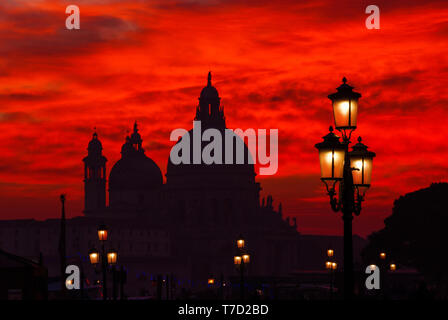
382	255
393	267
331	266
241	260
353	169
109	258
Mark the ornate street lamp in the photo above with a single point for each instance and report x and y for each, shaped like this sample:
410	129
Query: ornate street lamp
331	266
106	259
352	169
241	260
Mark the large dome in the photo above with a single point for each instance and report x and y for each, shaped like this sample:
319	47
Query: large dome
211	115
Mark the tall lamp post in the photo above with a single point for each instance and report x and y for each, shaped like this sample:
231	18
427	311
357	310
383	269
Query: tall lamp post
241	260
353	170
105	258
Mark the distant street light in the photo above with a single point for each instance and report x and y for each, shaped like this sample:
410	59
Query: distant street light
109	258
102	233
237	260
393	267
241	260
240	242
331	266
94	256
112	257
353	169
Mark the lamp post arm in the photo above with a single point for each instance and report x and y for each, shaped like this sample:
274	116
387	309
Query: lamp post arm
334	202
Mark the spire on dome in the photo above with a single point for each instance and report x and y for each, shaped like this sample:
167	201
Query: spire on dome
209	79
135	127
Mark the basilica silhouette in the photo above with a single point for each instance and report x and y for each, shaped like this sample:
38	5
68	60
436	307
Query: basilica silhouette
185	227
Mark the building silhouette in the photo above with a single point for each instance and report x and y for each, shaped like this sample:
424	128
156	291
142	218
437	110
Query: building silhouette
185	228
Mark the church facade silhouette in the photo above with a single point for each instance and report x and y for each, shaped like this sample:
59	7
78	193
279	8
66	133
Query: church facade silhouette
186	227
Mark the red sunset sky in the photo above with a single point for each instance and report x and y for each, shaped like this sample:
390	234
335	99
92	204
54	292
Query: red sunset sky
273	63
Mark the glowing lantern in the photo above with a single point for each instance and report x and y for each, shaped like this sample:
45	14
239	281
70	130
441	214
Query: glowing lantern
112	257
383	255
94	256
330	253
102	233
345	106
331	156
393	267
237	260
361	160
334	265
246	258
328	265
240	242
211	281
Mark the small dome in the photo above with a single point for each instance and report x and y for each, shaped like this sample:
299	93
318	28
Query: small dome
135	172
95	147
209	91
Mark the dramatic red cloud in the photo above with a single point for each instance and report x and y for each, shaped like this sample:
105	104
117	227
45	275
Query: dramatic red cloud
273	62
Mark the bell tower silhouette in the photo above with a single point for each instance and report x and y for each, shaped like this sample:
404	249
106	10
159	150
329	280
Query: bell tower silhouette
94	178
